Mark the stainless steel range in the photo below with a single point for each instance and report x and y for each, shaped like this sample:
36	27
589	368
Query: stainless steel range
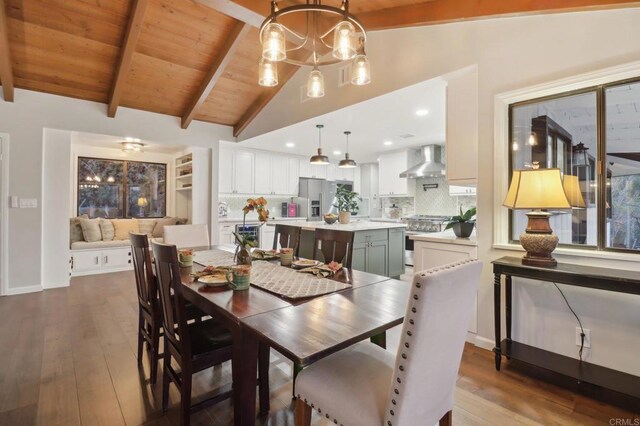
421	224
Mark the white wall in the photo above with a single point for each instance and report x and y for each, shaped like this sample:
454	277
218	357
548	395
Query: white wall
511	53
25	119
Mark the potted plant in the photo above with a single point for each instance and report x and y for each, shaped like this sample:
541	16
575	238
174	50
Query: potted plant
245	242
463	224
346	203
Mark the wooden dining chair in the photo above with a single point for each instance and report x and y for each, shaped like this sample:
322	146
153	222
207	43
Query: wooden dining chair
193	346
149	314
367	385
287	236
334	245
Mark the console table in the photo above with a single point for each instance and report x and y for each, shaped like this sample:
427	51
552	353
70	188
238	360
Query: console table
599	382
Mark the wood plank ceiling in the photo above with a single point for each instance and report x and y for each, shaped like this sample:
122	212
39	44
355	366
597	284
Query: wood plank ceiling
194	59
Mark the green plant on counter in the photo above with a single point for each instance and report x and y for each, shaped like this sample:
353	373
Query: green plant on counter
466	217
346	200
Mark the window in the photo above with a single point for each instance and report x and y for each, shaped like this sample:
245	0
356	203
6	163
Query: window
593	137
119	189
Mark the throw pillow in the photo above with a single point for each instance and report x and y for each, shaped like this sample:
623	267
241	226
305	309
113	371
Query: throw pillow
158	230
123	227
107	229
146	226
91	229
76	229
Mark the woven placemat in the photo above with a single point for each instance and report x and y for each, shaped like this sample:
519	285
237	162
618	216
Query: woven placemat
213	257
290	283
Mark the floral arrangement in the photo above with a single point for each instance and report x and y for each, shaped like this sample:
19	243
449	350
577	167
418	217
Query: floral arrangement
245	242
186	252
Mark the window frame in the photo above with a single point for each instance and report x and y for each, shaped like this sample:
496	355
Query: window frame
125	186
501	151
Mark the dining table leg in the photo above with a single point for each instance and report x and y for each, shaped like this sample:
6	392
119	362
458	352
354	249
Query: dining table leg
245	369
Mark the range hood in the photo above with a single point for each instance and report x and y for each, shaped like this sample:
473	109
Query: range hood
430	166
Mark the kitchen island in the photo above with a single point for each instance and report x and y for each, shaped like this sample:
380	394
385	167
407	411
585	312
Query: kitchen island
378	247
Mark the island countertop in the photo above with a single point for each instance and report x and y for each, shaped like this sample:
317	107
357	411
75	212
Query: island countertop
354	226
447	237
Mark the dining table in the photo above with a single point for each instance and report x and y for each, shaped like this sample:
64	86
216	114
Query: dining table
304	330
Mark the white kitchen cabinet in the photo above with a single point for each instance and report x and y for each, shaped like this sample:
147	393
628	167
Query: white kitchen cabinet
357	180
262	174
332	170
236	171
344	174
280	175
226	233
455	190
369	180
294	176
462	127
427	255
390	183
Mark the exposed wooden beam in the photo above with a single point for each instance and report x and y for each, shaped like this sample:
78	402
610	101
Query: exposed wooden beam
252	13
134	28
227	51
262	101
442	11
6	72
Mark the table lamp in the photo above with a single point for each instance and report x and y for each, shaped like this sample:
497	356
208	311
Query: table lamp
143	202
539	190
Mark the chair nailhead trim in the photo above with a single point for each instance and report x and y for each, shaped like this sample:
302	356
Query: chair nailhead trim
391	412
411	321
397	392
388	423
406	344
404	356
393	401
401	368
327	416
414	310
415	297
409	333
418	284
398	380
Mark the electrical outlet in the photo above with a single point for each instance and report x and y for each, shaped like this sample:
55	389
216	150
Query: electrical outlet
587	337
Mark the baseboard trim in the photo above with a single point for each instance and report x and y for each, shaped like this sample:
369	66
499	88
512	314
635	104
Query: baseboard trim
49	287
484	343
101	271
23	290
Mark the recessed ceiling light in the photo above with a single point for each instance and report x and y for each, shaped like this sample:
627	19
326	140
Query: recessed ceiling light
290	144
387	143
337	152
422	112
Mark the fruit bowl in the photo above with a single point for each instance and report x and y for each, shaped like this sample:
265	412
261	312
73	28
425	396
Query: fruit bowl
330	219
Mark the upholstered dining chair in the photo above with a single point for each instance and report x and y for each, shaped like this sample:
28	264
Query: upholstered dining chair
192	346
334	245
366	385
287	236
183	236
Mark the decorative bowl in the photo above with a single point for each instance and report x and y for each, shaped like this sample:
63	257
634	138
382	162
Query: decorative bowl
330	219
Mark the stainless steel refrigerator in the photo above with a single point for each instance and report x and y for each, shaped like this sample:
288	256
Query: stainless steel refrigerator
317	197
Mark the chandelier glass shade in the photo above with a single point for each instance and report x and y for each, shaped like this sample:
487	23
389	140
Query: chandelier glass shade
268	73
308	41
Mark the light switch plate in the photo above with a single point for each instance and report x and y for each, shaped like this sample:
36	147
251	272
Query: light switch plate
28	203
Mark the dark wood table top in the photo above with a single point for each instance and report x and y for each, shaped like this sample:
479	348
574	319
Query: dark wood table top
618	280
237	305
324	325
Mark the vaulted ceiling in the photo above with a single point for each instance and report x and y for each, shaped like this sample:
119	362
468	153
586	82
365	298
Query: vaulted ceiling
194	59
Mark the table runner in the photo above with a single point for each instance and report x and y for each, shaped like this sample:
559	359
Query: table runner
275	278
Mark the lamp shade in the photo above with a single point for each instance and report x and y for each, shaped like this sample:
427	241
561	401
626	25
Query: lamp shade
536	189
572	191
143	202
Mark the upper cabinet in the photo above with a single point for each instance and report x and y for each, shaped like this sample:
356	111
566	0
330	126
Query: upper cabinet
257	173
368	180
462	127
236	171
390	183
309	170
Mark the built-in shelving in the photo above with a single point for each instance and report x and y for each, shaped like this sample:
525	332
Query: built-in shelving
184	185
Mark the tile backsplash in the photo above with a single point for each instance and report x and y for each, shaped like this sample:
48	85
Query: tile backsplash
237	203
436	201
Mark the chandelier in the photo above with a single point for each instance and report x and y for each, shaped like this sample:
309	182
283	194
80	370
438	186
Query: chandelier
307	47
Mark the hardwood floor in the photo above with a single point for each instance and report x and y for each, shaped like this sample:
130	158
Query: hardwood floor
69	358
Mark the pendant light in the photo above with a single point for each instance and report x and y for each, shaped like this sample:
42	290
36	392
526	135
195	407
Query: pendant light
315	84
343	46
347	163
273	45
267	73
361	70
319	159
